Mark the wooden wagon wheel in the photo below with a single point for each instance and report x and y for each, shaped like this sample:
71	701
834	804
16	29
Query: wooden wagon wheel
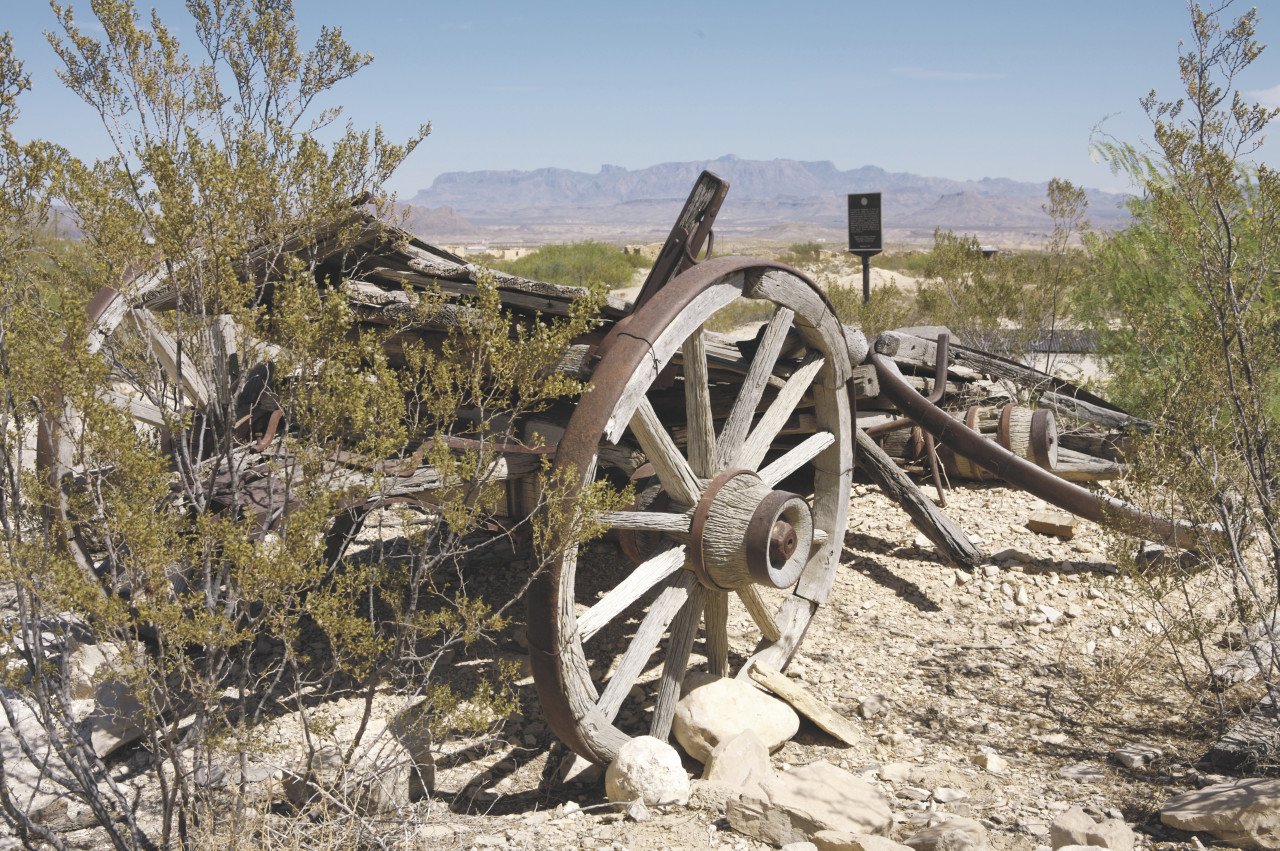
727	529
159	376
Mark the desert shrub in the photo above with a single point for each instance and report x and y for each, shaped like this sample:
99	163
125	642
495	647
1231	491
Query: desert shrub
890	307
911	263
577	264
739	312
211	610
1187	305
802	254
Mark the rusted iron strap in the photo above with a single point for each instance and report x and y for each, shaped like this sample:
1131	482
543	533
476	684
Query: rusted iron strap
691	229
1023	474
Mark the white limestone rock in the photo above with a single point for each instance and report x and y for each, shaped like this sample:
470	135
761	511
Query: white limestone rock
715	709
648	770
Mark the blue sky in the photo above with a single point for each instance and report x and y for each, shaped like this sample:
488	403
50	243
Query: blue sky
961	90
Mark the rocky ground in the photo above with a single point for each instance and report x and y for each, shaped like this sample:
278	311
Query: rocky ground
1008	696
1037	690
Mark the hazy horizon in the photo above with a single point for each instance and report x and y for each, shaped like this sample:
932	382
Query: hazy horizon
930	88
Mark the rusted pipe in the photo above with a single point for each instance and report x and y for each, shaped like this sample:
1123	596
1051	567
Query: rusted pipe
1023	474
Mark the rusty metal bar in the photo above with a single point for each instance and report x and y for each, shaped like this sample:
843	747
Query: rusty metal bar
1023	474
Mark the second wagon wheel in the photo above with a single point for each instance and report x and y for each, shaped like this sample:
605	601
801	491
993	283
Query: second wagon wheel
725	530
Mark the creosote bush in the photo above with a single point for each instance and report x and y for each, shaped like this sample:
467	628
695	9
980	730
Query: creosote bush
577	264
1187	303
184	479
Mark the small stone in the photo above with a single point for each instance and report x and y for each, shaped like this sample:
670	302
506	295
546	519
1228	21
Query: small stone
963	577
836	840
1083	772
1056	523
895	772
990	570
1051	615
1136	756
795	805
874	706
914	793
947	795
1115	631
637	811
1075	827
1075	610
954	834
1021	597
740	762
992	763
649	770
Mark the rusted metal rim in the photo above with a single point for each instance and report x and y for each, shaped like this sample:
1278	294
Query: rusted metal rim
1020	473
698	528
771	537
1042	437
1006	415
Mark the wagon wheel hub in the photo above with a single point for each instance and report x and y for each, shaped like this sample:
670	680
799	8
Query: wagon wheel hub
745	533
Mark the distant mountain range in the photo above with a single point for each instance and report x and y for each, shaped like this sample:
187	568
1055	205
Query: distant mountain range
781	200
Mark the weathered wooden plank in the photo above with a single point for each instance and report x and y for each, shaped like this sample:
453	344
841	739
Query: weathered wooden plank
697	402
734	431
806	703
669	603
683	633
672	468
952	542
753	450
796	457
636	584
1087	412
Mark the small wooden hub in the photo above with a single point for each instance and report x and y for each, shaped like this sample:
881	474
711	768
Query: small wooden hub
744	533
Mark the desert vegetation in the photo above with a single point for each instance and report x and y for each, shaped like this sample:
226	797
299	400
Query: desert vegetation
208	568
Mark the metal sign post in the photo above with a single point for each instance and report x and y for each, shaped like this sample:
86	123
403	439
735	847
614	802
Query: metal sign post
866	236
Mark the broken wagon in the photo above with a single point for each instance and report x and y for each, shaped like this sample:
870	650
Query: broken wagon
742	453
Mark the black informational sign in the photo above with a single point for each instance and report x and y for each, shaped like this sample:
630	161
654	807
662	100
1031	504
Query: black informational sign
865	233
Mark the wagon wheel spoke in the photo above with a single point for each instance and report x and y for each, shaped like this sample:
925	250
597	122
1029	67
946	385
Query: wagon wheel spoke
796	457
683	631
639	582
762	436
760	612
697	404
672	468
744	407
715	624
675	525
668	604
178	365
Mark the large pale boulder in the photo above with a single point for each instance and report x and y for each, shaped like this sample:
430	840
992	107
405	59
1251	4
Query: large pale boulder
1243	812
648	770
741	763
715	709
796	805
